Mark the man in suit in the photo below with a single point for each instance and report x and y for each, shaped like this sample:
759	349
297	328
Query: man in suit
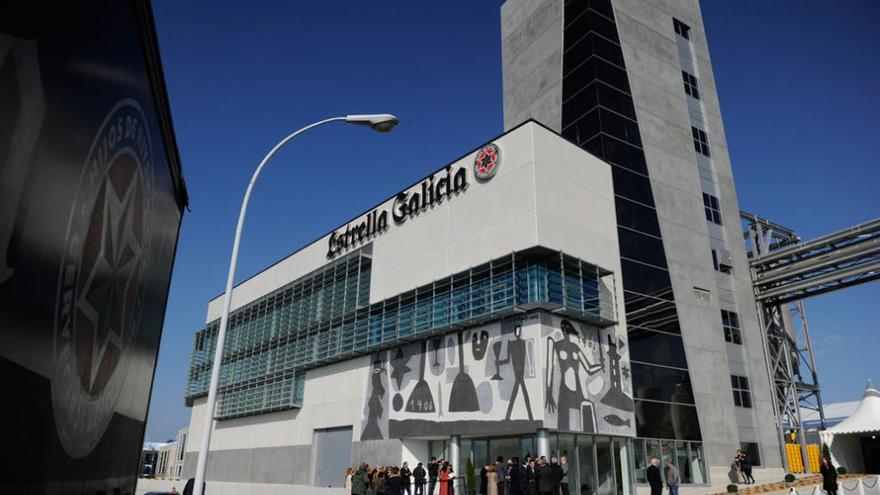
516	477
654	478
544	477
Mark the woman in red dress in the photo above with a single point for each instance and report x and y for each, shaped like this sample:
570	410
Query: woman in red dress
444	480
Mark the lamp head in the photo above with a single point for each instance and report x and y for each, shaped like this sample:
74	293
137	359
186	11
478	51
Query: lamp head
380	122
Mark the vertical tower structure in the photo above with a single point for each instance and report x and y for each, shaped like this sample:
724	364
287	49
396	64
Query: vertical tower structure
631	82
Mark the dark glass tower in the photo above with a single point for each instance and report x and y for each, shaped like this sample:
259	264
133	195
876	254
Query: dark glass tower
599	116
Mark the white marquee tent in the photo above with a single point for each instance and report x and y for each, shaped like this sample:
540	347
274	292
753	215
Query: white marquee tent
847	438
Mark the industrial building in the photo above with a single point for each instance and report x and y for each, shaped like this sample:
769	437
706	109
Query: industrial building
576	286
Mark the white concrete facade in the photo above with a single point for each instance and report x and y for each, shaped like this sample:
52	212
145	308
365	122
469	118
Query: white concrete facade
543	182
547	194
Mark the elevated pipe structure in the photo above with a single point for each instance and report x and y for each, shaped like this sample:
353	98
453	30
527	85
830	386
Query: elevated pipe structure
785	271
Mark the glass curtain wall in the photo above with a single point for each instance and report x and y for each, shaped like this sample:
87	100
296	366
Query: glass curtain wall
598	115
598	465
687	456
326	316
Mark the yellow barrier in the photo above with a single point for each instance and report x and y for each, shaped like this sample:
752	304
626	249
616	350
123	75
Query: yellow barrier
796	461
813	455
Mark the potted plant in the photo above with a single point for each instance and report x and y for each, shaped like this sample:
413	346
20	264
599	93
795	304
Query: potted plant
731	488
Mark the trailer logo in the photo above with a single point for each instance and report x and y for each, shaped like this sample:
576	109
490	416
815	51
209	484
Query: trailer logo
487	161
102	280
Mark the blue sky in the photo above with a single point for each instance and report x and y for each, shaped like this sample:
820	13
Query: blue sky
798	92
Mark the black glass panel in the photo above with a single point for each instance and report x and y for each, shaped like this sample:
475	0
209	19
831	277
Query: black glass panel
654	347
632	186
664	384
574	8
579	104
589	46
586	22
623	154
636	216
664	420
593	69
624	129
648	312
641	247
585	128
616	100
645	279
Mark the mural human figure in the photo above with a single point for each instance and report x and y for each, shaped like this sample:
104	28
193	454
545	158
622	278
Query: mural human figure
516	357
374	404
568	355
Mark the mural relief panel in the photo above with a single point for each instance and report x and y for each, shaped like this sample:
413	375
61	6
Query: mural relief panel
513	375
587	379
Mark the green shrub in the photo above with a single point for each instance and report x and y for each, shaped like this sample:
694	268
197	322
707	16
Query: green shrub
789	478
841	470
732	488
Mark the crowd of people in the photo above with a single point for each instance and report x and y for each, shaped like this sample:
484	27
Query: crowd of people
393	480
532	476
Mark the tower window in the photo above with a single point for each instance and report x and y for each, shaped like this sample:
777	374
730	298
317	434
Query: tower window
742	397
721	261
730	322
690	84
701	141
712	208
681	29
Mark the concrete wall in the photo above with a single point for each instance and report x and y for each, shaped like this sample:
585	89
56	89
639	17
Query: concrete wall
531	48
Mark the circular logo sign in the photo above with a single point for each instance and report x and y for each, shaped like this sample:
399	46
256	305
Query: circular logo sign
102	279
487	161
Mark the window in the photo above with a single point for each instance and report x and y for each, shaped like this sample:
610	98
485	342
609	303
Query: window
690	84
721	261
730	322
741	395
751	448
701	141
681	29
712	208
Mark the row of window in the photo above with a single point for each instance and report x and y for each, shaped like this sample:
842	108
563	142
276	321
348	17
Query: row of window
265	353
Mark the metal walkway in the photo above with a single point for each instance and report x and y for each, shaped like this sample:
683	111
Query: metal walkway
796	271
784	272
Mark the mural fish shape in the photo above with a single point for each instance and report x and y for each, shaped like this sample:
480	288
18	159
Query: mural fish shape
615	420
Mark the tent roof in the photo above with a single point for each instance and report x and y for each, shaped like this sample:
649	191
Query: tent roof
866	417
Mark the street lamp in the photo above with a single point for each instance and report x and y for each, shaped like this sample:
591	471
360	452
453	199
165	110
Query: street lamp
382	122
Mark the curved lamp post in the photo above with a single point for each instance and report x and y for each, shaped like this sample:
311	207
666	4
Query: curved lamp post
382	122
